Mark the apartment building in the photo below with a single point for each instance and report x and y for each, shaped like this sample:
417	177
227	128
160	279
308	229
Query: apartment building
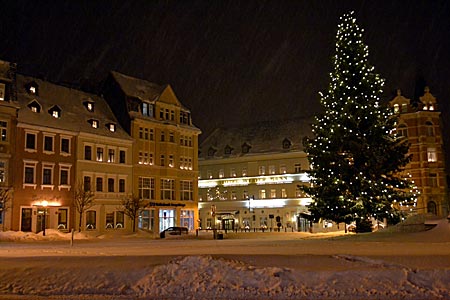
164	159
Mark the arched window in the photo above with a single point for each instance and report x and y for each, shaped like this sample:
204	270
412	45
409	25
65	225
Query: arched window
430	128
431	207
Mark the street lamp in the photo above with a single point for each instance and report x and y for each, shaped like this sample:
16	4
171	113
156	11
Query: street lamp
44	204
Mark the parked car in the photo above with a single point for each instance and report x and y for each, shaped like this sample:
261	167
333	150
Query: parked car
173	231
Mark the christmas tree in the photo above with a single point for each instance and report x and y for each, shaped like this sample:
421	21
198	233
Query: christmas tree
355	155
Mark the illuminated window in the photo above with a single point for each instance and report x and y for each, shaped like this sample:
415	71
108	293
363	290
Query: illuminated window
209	174
273	193
283	169
283	193
55	112
396	108
431	155
94	123
271	170
99	154
262	170
221	173
232	172
233	195
111	154
32	90
34	106
112	127
171	162
262	194
2	91
3	130
90	106
2	171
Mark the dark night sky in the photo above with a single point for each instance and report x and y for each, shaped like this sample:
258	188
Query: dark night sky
230	62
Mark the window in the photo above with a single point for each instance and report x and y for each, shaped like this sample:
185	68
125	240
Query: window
121	185
298	192
287	144
120	217
186	190
122	156
145	109
171	162
298	168
162	136
244	172
2	92
167	189
283	193
34	107
262	194
30	173
161	113
65	145
141	133
99	154
396	108
171	137
87	152
232	172
271	170
227	150
262	170
87	183
146	188
430	128
283	169
112	127
89	106
48	143
162	161
64	175
172	115
55	112
432	180
2	171
209	174
3	130
47	178
30	141
99	184
91	219
62	218
221	173
111	155
233	195
273	193
431	155
111	185
402	130
245	148
94	123
145	133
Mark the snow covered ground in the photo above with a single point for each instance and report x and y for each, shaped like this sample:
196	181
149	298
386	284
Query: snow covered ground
270	265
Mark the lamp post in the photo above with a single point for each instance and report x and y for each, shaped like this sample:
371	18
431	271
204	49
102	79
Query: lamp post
44	204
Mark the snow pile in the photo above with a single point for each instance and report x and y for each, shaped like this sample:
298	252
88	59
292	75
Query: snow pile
413	223
203	277
50	235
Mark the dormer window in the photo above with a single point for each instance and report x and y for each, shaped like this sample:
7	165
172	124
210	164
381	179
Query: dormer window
34	106
286	144
211	151
89	104
111	127
396	108
32	88
227	150
55	112
245	148
94	123
147	109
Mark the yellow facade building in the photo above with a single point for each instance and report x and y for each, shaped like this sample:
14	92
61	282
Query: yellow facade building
164	159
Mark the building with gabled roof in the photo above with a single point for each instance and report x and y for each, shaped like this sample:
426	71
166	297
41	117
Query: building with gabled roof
250	177
56	125
165	173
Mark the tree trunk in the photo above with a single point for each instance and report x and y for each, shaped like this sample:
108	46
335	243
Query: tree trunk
79	223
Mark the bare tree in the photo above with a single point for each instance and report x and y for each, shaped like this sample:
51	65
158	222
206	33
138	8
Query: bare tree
132	205
5	203
83	199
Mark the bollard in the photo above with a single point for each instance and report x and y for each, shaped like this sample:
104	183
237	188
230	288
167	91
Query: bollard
71	239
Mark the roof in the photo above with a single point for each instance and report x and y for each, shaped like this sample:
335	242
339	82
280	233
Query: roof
263	137
145	90
74	114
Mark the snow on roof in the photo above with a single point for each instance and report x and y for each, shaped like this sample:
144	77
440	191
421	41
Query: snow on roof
138	88
263	137
71	103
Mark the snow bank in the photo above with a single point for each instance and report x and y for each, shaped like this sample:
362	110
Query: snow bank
50	235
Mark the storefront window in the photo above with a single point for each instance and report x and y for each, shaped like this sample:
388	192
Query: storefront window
187	219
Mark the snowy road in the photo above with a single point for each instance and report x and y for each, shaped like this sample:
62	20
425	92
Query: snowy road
251	266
